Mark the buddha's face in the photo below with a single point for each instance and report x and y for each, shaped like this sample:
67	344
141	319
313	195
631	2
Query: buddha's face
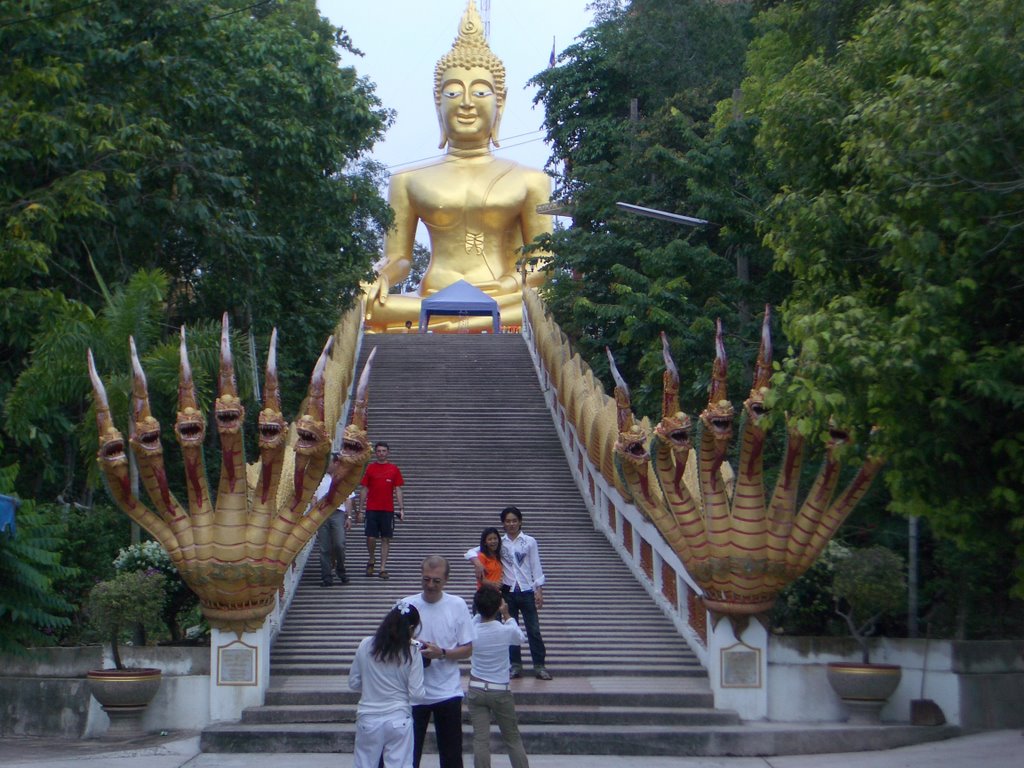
469	110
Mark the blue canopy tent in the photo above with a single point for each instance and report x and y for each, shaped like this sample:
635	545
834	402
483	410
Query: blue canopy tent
462	300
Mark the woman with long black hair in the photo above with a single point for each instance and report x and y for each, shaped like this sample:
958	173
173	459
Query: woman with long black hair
388	672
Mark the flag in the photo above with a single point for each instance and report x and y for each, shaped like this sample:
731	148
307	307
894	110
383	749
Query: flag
552	59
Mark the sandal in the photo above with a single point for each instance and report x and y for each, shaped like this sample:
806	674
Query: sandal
385	575
369	568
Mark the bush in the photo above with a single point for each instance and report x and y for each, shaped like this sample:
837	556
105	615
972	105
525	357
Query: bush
868	584
806	607
130	598
149	555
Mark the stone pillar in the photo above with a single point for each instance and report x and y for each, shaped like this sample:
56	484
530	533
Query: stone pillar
239	671
738	668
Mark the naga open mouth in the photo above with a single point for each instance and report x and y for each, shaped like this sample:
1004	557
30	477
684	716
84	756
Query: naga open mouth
721	425
311	436
679	436
271	428
633	450
229	416
190	427
147	436
757	409
838	435
112	451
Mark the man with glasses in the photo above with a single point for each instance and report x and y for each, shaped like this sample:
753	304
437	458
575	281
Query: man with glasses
446	635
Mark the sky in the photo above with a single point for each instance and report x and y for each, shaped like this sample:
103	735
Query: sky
402	40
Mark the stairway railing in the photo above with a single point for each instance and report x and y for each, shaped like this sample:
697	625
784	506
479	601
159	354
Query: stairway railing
584	416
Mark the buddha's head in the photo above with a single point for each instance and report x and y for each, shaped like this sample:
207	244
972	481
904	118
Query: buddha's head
469	87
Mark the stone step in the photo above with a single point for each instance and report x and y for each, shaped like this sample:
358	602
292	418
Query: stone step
607	692
467	424
655	740
528	714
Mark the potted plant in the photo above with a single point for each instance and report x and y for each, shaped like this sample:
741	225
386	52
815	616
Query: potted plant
867	586
115	606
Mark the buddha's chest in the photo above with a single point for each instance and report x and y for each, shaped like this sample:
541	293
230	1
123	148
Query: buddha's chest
486	198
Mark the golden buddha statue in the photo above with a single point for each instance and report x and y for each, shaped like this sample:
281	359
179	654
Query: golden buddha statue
479	210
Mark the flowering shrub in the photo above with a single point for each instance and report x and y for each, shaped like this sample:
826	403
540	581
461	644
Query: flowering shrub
150	556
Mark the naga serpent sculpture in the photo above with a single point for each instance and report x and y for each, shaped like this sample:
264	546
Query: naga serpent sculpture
740	548
233	551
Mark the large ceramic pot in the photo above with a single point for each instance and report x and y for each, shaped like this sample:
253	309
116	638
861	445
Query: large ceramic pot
864	688
124	694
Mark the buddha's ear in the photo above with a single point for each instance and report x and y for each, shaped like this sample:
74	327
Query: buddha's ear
444	132
497	118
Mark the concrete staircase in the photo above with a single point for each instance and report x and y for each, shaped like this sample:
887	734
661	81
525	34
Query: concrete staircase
468	426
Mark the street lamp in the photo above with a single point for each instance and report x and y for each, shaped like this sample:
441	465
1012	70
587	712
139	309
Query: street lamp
654	213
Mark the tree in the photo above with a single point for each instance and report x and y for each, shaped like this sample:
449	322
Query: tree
30	612
899	218
221	143
628	113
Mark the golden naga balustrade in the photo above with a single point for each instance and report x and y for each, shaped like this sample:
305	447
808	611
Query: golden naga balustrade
233	549
739	545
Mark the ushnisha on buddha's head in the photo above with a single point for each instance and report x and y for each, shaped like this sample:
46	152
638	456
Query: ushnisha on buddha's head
469	88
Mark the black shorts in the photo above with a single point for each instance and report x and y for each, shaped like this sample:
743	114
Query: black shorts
379	525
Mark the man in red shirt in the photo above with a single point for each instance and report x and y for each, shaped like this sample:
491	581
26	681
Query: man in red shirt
382	485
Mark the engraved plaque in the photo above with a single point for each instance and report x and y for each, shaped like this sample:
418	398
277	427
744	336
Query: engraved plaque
236	664
741	667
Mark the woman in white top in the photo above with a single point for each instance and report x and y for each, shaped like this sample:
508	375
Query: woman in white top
388	671
489	691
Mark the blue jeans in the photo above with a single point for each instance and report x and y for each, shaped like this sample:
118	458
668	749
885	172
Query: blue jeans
524	602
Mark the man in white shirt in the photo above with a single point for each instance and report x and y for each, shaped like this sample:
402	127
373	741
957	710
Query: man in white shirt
522	586
446	632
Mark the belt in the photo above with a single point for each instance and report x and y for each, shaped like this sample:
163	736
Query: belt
488	686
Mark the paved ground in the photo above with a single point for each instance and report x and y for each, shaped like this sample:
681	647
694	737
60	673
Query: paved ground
994	749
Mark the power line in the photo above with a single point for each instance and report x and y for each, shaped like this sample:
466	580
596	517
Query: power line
440	157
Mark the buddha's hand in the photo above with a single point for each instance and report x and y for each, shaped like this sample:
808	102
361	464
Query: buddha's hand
503	285
378	290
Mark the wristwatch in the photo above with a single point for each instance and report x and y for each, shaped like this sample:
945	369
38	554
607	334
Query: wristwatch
444	654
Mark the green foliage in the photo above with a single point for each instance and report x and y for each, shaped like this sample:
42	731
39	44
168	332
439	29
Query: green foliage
131	597
30	611
619	280
91	539
868	584
898	215
806	607
222	144
179	599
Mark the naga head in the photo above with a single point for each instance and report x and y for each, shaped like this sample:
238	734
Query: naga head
837	438
228	408
355	442
189	426
754	405
718	416
311	430
631	442
111	442
675	427
145	432
271	424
